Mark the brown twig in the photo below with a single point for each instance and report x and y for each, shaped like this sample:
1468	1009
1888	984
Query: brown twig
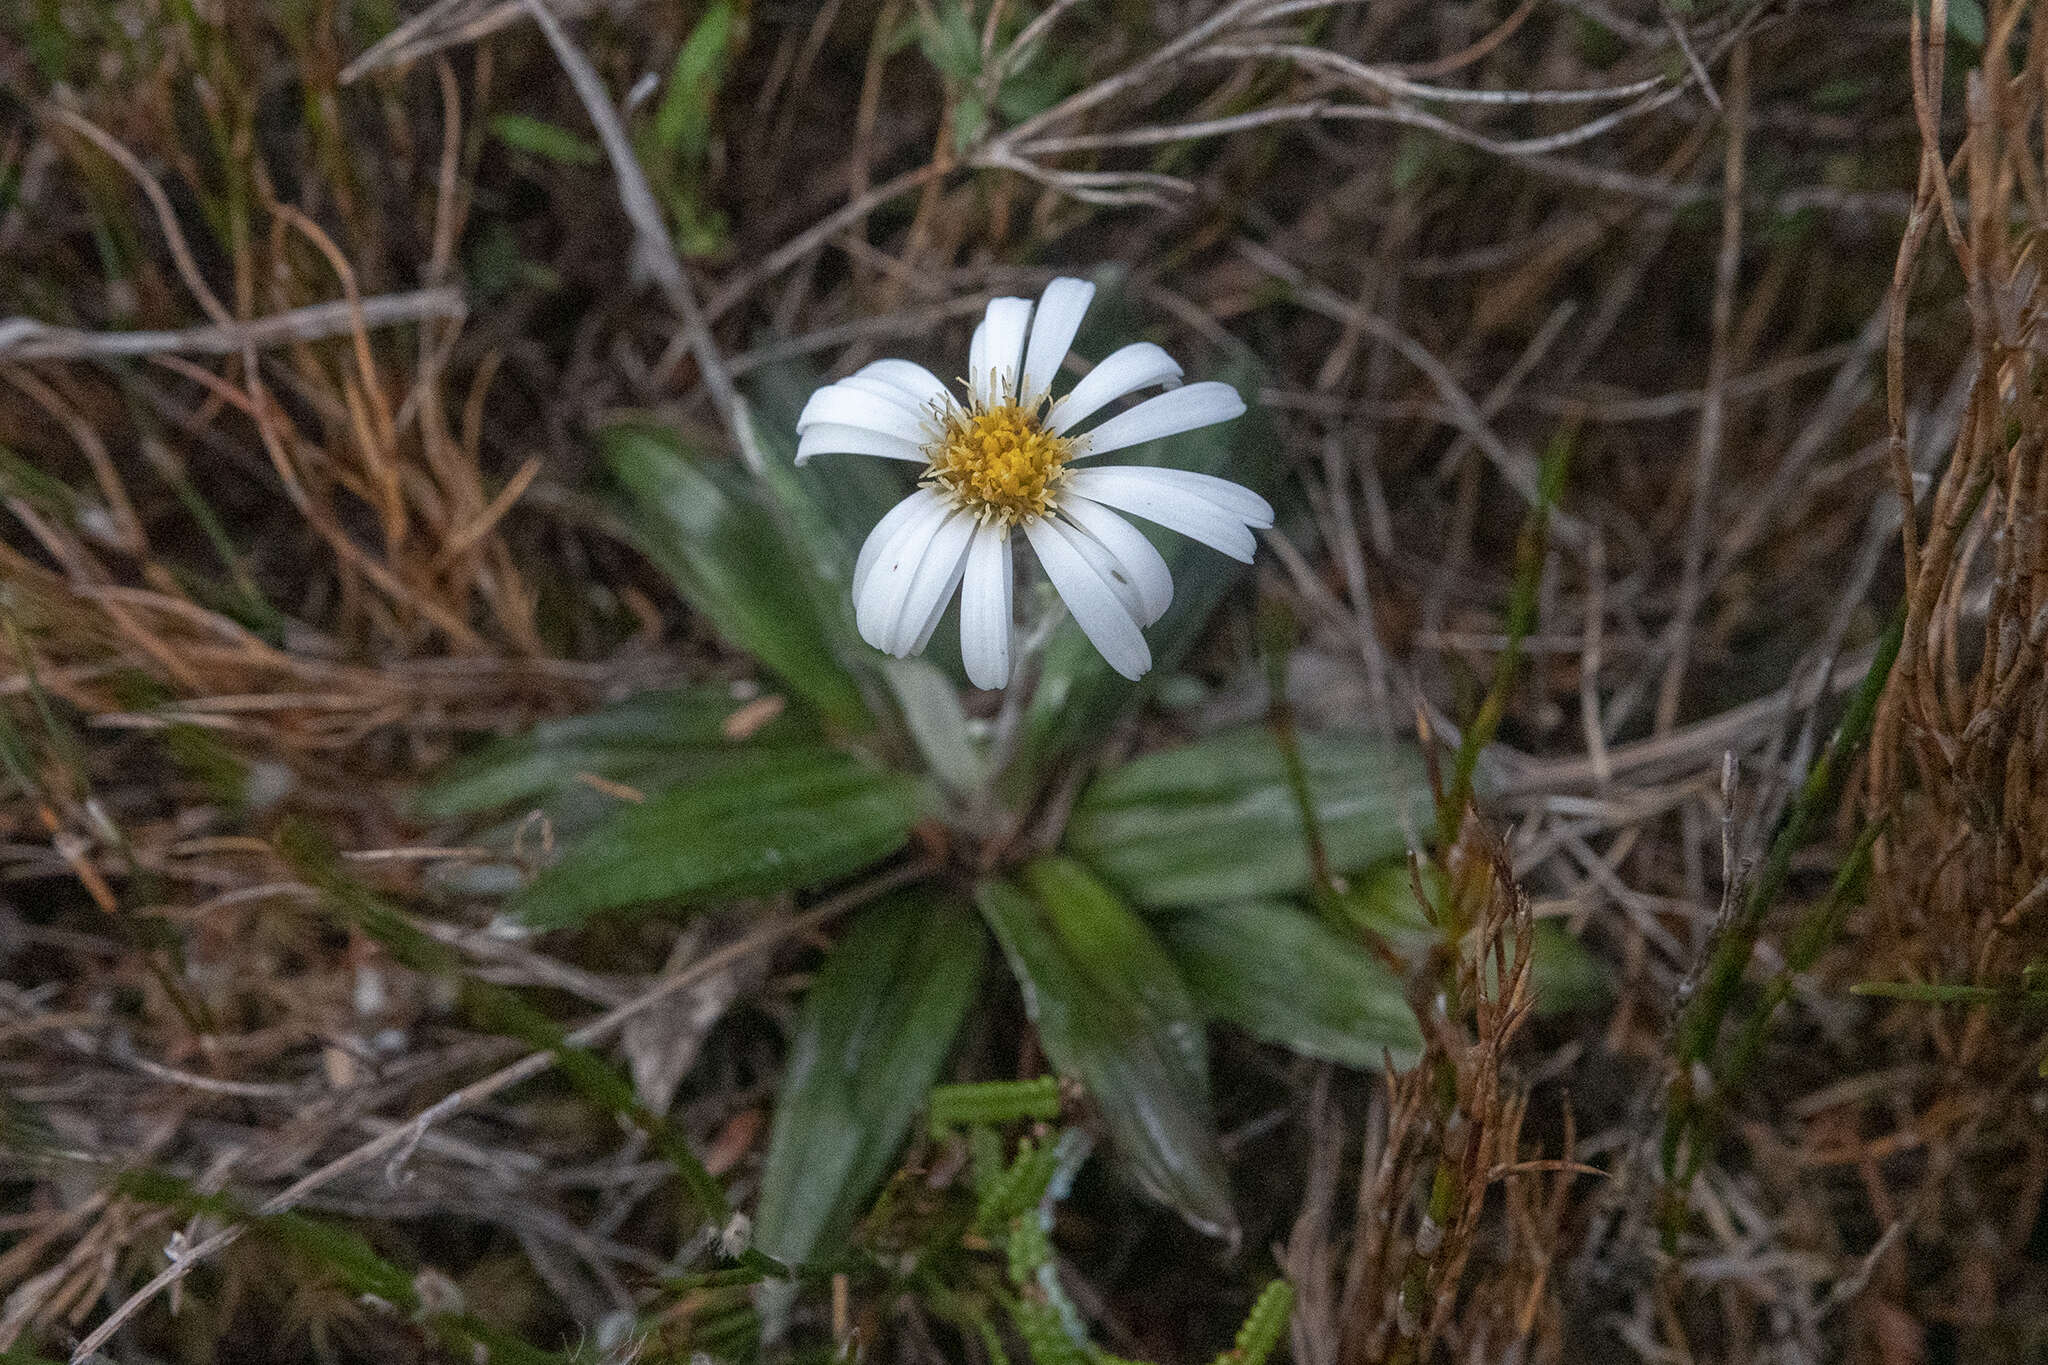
27	339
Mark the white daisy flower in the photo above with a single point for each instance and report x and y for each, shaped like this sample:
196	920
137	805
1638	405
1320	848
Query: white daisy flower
1008	459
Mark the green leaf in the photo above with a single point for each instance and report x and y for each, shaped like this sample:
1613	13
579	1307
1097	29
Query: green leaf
344	1253
870	1039
44	492
681	135
970	121
1119	954
1287	978
1263	1326
834	501
1215	821
702	523
21	1355
1100	1019
23	1129
952	43
991	1102
1381	900
1562	973
1079	696
773	821
647	741
1965	20
682	125
1044	77
543	139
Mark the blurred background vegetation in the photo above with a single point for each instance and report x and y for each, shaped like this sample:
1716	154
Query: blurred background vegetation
466	893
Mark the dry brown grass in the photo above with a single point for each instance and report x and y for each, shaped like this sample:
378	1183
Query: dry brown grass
283	559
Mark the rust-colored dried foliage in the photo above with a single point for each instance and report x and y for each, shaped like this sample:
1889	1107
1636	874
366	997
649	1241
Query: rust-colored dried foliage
1958	771
1449	1245
1960	757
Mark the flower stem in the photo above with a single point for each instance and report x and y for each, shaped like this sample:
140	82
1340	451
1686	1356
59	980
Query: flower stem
1029	657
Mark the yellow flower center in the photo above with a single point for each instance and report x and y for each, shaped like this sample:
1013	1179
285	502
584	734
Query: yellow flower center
1000	463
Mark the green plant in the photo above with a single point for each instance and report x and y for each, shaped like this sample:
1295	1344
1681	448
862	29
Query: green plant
1178	888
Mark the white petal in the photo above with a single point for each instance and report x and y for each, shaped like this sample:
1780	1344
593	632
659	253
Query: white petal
1106	568
884	388
854	407
1139	365
1140	564
931	620
938	573
1128	489
986	612
1096	607
1233	498
1060	309
1168	414
878	604
993	375
855	383
977	362
922	386
835	438
878	539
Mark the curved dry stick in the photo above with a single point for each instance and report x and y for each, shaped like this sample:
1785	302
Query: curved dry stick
658	246
27	339
158	200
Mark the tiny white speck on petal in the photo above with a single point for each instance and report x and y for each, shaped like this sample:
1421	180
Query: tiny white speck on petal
1096	607
1141	563
938	573
885	529
879	604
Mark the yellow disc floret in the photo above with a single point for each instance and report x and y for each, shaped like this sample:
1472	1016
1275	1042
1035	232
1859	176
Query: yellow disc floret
1000	463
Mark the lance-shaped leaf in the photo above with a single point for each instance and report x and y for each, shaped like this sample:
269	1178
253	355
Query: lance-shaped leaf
1563	974
1215	821
773	821
1113	1014
648	741
1119	954
1285	977
873	1032
704	524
